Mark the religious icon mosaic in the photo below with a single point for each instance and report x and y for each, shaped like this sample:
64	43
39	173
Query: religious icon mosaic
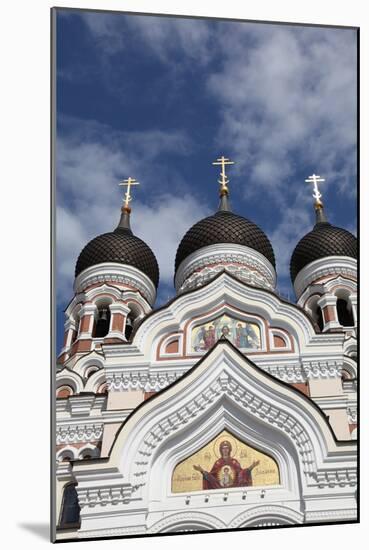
225	463
242	334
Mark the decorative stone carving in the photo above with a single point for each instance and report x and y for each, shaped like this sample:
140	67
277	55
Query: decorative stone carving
81	433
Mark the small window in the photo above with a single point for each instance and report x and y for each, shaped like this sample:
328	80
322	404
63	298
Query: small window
319	318
70	513
344	313
129	326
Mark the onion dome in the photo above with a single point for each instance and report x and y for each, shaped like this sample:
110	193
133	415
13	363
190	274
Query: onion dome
323	241
120	251
120	246
224	228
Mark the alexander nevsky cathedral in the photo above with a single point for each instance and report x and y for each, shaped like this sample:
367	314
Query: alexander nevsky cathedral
228	407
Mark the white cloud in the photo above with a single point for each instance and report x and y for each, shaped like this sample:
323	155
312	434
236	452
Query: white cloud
163	35
89	198
286	100
288	94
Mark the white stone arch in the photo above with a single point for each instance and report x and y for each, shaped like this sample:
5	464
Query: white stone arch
94	382
225	291
225	414
92	359
88	449
187	521
130	296
262	516
350	366
310	437
69	378
334	285
223	389
68	451
350	347
108	291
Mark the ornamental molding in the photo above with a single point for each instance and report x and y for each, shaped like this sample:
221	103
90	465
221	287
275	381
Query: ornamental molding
288	373
224	391
225	293
79	433
209	260
244	274
141	381
268	513
135	380
349	386
255	405
336	478
200	519
114	532
322	369
330	265
110	272
331	515
103	496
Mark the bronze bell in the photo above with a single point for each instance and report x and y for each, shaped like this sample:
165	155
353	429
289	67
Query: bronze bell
104	315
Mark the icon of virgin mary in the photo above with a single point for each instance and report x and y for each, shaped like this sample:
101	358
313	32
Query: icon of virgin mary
226	471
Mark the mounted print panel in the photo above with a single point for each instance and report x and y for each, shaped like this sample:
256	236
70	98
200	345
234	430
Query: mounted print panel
206	315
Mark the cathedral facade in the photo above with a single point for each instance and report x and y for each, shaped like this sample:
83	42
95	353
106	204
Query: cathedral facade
228	407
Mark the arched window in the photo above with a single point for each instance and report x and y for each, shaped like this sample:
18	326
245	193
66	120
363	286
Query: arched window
316	311
102	322
90	371
70	512
129	326
76	327
344	313
132	317
319	318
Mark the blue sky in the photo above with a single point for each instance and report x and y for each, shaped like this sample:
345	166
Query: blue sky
159	98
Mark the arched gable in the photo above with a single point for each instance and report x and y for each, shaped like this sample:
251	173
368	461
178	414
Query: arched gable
227	295
223	390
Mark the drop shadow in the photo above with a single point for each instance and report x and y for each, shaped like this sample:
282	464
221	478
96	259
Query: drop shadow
42	530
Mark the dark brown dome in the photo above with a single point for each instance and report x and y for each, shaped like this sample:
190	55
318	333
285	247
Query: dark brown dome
324	240
119	246
224	227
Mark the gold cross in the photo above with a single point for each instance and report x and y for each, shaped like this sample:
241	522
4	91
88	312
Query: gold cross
128	197
222	161
314	179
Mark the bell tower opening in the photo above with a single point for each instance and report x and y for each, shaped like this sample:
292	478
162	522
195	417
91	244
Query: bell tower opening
102	322
344	313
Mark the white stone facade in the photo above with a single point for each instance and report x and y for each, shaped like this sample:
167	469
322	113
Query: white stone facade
286	398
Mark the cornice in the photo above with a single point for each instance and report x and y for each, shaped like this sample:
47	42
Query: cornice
243	262
331	265
116	273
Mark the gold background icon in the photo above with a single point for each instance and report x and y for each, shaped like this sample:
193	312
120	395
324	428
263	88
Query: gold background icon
243	335
185	479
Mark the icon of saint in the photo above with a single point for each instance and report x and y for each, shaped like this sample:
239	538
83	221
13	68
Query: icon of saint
246	336
226	471
209	338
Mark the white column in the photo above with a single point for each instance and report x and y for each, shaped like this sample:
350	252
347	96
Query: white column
353	302
87	316
328	304
118	316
